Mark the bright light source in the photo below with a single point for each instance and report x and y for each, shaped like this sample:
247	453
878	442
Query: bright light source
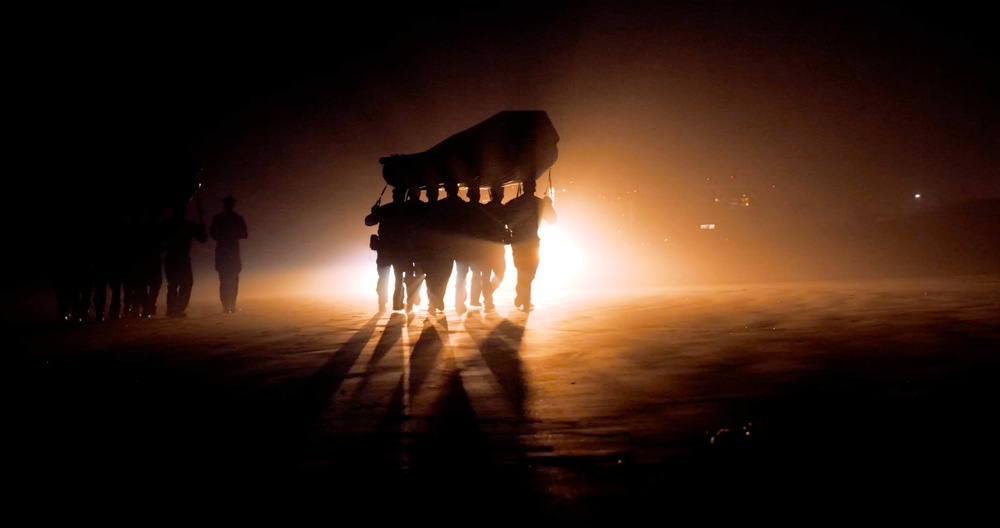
561	260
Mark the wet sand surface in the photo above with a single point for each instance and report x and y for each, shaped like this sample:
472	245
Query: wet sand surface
752	402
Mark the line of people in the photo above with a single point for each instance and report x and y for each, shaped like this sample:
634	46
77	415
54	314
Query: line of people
425	242
118	268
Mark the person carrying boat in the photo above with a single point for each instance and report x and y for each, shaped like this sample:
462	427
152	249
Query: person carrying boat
524	216
390	247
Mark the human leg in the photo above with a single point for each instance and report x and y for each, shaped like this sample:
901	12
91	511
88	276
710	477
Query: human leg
497	269
413	277
476	282
153	282
462	269
184	290
525	256
228	286
398	288
173	282
438	272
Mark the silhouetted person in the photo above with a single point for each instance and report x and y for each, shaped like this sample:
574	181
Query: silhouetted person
144	274
78	249
436	256
227	229
417	244
391	251
120	261
496	237
178	234
524	216
72	272
466	251
446	219
103	242
470	250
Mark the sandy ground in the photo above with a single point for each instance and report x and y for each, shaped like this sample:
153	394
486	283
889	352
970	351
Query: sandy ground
755	403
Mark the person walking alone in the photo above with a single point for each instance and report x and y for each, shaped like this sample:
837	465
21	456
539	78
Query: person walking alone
227	229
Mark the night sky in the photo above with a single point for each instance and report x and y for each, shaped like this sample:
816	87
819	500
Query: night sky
827	117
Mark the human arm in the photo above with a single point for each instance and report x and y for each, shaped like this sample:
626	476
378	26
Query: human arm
241	227
548	210
213	230
200	233
373	217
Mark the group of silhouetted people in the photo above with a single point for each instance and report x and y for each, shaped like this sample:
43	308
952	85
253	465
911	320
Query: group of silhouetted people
426	242
116	268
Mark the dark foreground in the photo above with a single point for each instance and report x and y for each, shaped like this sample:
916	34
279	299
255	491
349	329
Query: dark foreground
795	403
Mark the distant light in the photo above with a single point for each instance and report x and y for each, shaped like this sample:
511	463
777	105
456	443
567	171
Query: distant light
917	196
708	226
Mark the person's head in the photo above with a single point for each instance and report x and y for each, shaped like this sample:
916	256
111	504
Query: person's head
398	194
451	188
413	193
228	203
529	186
496	193
432	193
473	193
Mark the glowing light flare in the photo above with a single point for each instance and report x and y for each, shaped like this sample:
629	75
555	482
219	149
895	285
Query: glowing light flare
350	282
562	260
346	279
569	256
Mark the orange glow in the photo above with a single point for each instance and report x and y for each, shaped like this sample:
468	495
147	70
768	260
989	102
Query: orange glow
562	266
350	282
